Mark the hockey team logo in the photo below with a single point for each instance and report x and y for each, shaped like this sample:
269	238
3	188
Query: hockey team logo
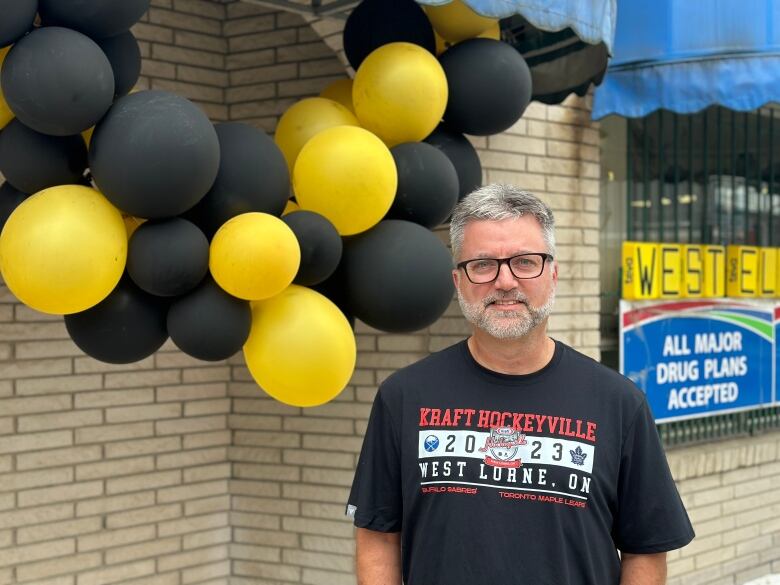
503	444
578	456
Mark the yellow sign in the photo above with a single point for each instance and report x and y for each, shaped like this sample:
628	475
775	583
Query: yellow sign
767	269
641	270
777	282
742	271
671	270
714	271
693	271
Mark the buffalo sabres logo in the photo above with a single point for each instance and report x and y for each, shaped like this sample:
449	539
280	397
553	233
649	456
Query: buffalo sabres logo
578	456
431	443
503	444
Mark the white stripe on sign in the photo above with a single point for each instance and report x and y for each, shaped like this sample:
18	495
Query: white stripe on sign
475	445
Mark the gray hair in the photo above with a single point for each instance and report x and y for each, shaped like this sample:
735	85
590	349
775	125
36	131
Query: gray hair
496	202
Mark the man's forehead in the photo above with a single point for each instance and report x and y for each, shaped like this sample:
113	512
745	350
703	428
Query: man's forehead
486	238
526	226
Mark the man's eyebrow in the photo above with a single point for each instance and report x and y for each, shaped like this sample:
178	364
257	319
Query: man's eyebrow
486	255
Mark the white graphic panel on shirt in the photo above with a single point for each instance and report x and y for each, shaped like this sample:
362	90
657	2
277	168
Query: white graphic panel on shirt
520	456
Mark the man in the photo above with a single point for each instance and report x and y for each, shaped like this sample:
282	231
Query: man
510	457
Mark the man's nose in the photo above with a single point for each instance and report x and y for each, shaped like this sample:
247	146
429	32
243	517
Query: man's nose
505	279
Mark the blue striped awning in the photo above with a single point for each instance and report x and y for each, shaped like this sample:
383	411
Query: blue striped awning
593	21
566	43
685	56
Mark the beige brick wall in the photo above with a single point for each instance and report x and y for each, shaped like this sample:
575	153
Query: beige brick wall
184	51
174	471
109	473
731	491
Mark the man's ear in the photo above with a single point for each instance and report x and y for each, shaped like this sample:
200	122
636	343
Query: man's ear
456	277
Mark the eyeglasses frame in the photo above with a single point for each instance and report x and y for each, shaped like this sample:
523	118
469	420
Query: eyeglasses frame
545	259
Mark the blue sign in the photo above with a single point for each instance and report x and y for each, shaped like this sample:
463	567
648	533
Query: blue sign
700	357
776	383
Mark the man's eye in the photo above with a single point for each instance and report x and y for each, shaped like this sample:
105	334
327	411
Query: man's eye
525	264
482	265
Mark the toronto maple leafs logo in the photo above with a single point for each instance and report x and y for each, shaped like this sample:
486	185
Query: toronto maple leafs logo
578	456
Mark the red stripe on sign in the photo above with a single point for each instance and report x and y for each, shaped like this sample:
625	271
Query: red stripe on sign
636	316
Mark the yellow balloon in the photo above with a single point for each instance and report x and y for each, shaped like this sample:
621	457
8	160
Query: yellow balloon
6	115
254	256
290	207
348	175
306	118
63	250
340	91
87	135
301	349
494	32
457	22
441	44
400	93
131	224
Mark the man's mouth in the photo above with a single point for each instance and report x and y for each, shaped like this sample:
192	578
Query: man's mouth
508	303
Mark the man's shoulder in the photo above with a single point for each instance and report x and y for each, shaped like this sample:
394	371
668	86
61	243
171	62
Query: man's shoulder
433	365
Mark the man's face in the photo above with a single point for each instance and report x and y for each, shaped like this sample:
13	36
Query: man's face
508	307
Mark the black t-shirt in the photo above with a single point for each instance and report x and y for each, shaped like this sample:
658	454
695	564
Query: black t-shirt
534	479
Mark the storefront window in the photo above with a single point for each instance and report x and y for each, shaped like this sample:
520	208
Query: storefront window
706	178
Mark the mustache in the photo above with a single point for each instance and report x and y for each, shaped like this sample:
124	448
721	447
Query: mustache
515	296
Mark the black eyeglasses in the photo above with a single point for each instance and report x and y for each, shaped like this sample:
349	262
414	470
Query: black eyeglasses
522	266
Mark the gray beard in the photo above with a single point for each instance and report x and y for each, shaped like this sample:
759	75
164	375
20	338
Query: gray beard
508	324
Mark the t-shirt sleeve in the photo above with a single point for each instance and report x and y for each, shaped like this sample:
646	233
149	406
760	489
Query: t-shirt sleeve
651	517
375	501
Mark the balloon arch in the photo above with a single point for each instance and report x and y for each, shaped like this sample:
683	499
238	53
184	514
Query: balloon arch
137	219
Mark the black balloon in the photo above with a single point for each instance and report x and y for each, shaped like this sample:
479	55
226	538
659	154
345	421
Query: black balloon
10	199
31	161
17	19
96	18
168	258
57	81
378	22
427	184
398	276
125	57
334	289
462	155
489	86
154	154
208	323
252	176
320	244
125	327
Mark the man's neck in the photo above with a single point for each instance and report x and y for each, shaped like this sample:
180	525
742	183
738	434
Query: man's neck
526	355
